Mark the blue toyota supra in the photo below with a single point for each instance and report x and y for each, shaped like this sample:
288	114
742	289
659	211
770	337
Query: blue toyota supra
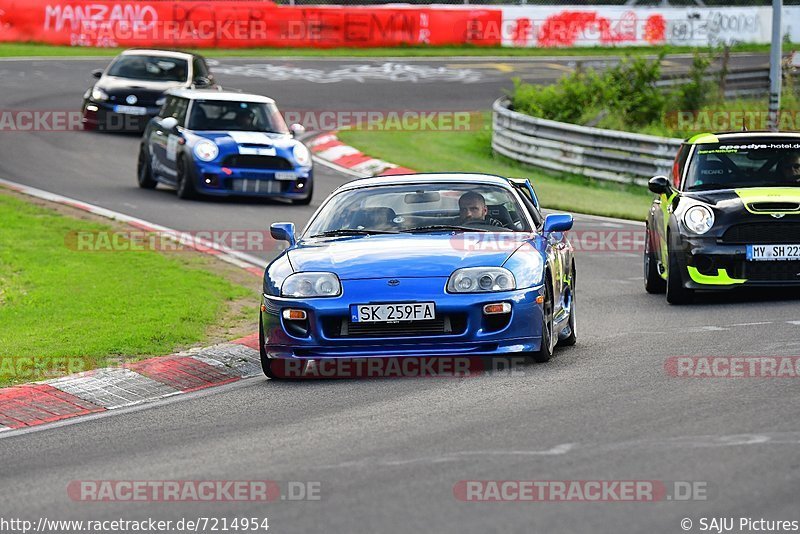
420	265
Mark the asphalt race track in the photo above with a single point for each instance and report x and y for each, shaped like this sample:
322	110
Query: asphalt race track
388	452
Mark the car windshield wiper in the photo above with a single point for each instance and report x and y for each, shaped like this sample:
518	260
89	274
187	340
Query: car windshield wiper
444	227
352	231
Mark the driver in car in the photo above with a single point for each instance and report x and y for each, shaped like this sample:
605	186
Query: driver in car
789	167
246	120
472	208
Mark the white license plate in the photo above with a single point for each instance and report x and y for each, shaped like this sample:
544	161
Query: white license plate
285	176
130	110
773	252
391	313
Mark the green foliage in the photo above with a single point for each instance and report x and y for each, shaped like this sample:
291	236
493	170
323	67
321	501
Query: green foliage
627	91
699	91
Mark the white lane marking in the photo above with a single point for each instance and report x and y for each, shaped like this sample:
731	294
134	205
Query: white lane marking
707	329
751	324
680	443
796	323
558	450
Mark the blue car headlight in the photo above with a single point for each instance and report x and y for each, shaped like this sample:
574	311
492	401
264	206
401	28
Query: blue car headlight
301	155
302	285
206	151
481	280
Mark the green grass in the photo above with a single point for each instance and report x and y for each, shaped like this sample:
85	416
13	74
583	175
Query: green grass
58	302
35	49
436	151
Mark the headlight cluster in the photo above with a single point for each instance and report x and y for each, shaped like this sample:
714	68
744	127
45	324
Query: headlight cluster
301	155
300	285
99	95
699	219
206	150
481	280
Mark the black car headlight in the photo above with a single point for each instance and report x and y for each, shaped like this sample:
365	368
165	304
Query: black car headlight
99	95
481	280
302	285
699	219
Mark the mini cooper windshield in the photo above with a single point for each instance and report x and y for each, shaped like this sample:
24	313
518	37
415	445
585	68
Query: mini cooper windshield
755	162
213	115
420	209
150	68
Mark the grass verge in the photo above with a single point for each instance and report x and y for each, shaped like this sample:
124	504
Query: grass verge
37	50
451	151
72	310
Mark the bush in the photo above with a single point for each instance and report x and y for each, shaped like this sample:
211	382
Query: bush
627	91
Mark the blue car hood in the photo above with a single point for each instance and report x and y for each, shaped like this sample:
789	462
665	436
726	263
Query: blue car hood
404	255
232	140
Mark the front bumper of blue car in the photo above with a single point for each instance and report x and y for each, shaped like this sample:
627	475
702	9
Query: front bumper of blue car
460	328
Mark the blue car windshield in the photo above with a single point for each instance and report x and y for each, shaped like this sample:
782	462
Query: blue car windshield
150	68
749	162
426	207
218	115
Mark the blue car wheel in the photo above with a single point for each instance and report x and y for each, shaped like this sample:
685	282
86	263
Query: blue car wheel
185	185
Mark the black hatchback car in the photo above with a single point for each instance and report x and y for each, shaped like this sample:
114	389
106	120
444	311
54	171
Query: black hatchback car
728	217
130	91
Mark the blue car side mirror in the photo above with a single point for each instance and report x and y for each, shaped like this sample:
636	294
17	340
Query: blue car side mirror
283	232
558	222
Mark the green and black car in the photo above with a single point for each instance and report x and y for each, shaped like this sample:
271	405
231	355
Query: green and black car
728	217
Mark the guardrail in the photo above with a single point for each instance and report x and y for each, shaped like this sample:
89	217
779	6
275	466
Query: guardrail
558	146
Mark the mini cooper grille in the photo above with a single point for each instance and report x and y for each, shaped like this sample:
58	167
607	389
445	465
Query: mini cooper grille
772	271
255	186
257	162
445	325
763	233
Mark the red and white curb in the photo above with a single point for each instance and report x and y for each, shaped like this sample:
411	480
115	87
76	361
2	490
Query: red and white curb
327	149
110	388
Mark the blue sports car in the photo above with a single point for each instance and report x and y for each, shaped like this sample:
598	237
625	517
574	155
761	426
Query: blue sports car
224	144
420	265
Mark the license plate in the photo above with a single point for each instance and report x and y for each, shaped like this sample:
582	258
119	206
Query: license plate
285	176
130	110
392	313
773	252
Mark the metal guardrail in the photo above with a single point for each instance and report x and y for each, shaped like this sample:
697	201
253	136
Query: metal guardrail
558	146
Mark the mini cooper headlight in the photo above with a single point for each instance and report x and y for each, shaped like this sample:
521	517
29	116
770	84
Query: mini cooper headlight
301	155
481	280
301	285
99	95
699	219
206	151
